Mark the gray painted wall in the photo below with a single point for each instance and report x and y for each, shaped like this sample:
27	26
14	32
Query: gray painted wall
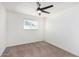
62	30
3	29
16	32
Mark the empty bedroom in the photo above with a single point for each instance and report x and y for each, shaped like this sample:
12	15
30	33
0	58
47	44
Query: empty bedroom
39	29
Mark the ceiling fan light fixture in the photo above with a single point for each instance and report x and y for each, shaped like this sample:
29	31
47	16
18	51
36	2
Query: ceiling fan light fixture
39	11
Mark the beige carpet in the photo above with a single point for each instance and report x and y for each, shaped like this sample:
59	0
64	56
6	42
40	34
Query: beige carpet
37	49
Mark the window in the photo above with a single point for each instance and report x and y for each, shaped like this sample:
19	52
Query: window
30	24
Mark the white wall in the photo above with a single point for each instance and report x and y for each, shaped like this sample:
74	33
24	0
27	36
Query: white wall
62	30
16	33
3	29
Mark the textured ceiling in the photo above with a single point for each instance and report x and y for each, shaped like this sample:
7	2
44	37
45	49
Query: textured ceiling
30	7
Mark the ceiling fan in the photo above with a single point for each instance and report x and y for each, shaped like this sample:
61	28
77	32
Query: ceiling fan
39	9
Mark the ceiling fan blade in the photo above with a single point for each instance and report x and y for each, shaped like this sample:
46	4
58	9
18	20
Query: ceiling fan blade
38	4
45	12
46	7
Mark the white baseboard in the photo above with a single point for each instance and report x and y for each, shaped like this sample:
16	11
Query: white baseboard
9	45
2	50
62	48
